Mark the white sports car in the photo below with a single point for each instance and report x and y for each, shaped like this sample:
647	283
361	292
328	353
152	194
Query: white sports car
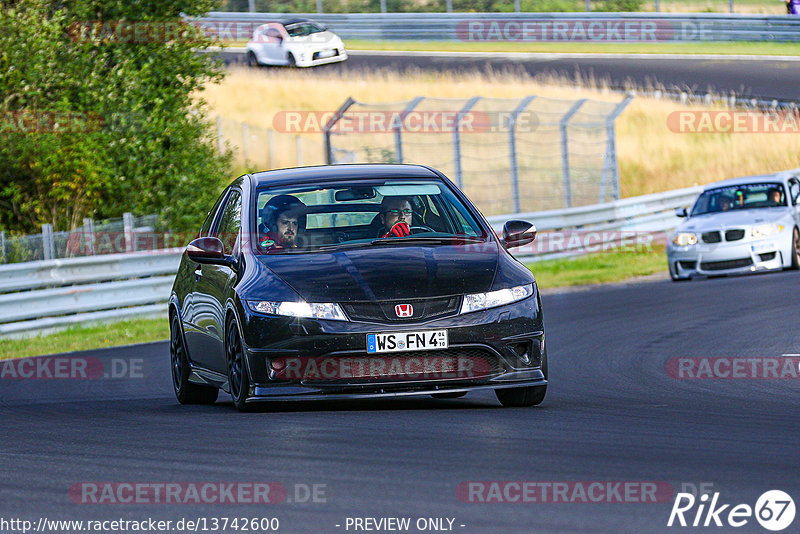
739	226
294	43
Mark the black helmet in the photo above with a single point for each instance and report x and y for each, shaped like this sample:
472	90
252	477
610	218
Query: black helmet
282	204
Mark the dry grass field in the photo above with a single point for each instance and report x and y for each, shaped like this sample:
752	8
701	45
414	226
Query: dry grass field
652	157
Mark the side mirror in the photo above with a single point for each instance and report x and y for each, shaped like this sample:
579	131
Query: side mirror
208	250
681	212
517	233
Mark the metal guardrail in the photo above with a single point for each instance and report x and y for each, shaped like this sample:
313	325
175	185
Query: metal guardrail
49	295
527	27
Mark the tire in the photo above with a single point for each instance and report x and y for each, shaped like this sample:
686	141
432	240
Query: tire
291	61
524	397
185	391
795	250
252	60
238	377
454	395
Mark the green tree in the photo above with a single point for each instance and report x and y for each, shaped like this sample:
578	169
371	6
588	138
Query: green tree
129	133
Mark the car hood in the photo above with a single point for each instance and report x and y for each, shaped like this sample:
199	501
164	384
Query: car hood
316	40
733	219
384	273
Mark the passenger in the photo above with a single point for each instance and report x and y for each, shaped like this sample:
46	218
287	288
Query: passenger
396	217
283	219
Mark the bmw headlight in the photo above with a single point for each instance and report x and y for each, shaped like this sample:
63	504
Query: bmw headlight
309	310
685	238
766	230
492	299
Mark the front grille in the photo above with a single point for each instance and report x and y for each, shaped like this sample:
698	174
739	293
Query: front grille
734	235
385	311
453	364
767	257
711	237
724	265
687	264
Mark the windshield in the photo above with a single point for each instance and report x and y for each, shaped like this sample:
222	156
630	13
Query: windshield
737	197
390	212
301	29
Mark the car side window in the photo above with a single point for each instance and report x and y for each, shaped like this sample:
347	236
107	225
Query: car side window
794	189
230	222
205	230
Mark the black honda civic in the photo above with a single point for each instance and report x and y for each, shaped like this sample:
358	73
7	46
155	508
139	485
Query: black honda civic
354	281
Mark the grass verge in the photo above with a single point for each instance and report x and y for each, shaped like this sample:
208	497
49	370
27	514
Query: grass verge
725	48
98	336
599	268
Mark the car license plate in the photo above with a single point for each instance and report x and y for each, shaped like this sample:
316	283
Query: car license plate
406	341
326	53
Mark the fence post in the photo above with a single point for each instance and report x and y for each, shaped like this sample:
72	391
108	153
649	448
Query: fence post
326	131
457	139
512	148
517	7
244	143
398	128
3	244
88	234
48	247
449	5
383	6
588	6
610	162
730	5
220	143
251	6
565	171
127	225
299	151
319	6
271	149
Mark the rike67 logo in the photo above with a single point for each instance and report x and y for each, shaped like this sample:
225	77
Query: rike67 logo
774	510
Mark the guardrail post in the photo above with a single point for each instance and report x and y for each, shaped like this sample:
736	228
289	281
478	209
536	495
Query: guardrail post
251	6
3	244
457	139
588	6
383	6
220	143
299	142
610	160
319	6
270	149
517	8
658	7
326	131
449	5
565	171
512	148
48	247
398	128
88	235
127	228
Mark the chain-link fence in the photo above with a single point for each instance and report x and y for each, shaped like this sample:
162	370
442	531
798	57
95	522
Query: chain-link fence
259	147
127	234
508	155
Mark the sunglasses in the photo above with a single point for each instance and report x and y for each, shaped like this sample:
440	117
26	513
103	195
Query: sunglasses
398	212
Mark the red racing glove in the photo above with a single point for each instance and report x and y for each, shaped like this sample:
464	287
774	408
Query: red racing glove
399	229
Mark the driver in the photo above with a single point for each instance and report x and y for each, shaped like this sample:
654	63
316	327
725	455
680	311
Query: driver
396	217
725	203
283	218
774	195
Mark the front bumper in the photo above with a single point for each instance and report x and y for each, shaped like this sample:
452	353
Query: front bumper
310	59
506	342
727	258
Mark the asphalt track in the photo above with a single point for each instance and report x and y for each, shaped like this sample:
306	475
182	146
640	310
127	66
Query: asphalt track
746	78
613	413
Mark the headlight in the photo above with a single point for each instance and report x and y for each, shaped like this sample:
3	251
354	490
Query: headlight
685	238
765	230
482	301
330	311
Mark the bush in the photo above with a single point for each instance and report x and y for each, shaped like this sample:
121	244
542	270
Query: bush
131	138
